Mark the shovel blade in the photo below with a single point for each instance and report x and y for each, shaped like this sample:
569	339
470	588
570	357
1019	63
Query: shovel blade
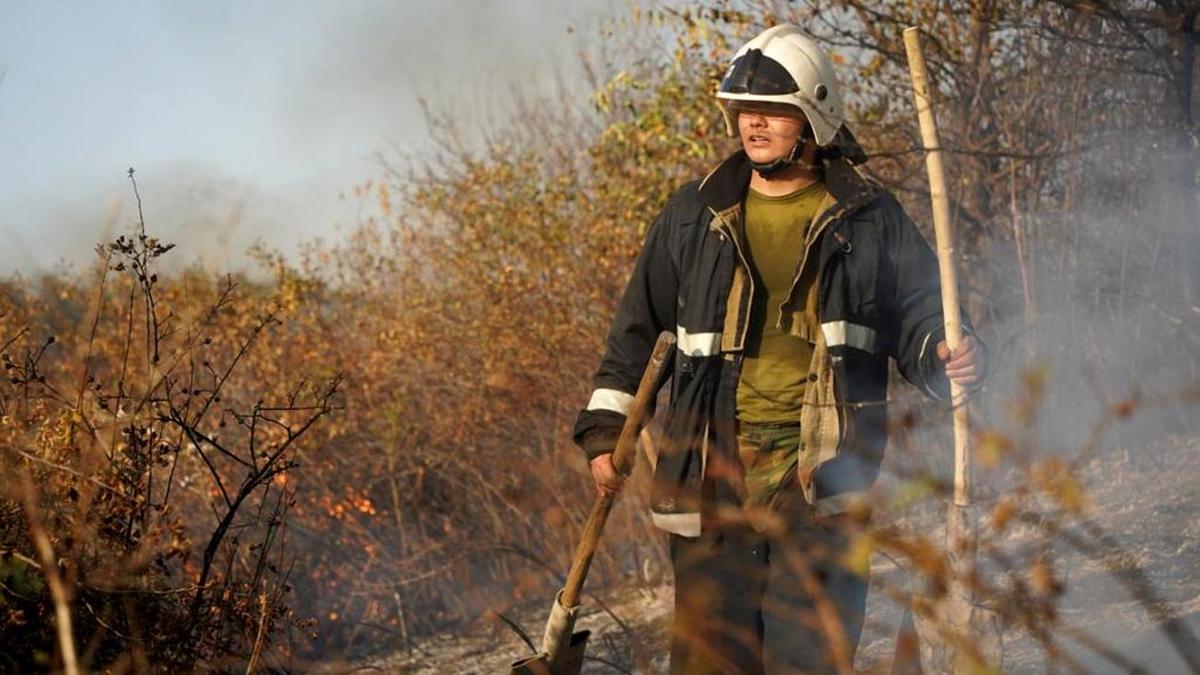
562	646
569	661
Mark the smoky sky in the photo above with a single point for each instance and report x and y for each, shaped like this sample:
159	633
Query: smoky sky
245	121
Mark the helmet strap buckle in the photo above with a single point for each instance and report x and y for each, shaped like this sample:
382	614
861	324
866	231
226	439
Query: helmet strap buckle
773	167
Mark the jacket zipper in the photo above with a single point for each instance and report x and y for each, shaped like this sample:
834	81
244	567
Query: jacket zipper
826	218
737	246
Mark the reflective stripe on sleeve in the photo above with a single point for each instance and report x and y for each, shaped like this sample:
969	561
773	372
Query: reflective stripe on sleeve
846	334
683	524
924	346
697	344
611	399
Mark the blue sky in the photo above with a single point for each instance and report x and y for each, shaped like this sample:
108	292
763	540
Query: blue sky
244	120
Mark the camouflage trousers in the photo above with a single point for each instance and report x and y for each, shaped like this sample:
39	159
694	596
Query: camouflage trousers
769	455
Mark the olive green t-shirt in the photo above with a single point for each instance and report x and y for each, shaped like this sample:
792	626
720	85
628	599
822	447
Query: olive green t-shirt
775	364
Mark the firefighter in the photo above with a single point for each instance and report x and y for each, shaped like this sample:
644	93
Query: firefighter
789	280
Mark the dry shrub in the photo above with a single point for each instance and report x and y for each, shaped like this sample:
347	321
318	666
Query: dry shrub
146	454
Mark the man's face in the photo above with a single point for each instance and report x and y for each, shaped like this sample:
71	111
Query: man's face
768	130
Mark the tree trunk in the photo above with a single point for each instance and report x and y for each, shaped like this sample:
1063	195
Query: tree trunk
1183	165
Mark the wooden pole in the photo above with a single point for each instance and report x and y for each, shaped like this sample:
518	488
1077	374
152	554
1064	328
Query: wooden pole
945	253
979	640
563	648
623	462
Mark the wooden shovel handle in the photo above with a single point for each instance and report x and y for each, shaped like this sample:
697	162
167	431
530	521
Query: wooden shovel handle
622	462
945	252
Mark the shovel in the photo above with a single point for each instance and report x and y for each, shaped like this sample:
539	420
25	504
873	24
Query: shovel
562	648
955	633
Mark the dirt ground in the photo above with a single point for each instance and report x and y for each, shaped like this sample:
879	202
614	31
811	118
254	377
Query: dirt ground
1146	498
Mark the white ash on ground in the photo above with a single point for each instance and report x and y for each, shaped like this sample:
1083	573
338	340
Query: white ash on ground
625	638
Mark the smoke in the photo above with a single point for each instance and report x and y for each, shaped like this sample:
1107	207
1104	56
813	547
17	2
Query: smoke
370	69
1101	375
1111	326
213	216
255	117
1105	360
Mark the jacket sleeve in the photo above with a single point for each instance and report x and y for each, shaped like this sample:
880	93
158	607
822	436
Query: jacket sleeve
917	310
647	308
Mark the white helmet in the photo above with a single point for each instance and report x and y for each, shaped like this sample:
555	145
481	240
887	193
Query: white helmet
782	65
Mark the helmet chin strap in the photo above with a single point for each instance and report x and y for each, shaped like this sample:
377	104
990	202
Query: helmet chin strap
767	169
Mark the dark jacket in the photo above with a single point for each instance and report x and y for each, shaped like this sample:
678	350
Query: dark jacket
877	295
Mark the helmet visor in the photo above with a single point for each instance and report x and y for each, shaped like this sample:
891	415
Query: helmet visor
754	73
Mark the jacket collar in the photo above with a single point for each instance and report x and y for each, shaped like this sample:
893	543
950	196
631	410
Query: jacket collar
725	187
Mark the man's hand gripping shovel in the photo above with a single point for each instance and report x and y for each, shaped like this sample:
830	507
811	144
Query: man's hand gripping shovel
956	634
562	648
